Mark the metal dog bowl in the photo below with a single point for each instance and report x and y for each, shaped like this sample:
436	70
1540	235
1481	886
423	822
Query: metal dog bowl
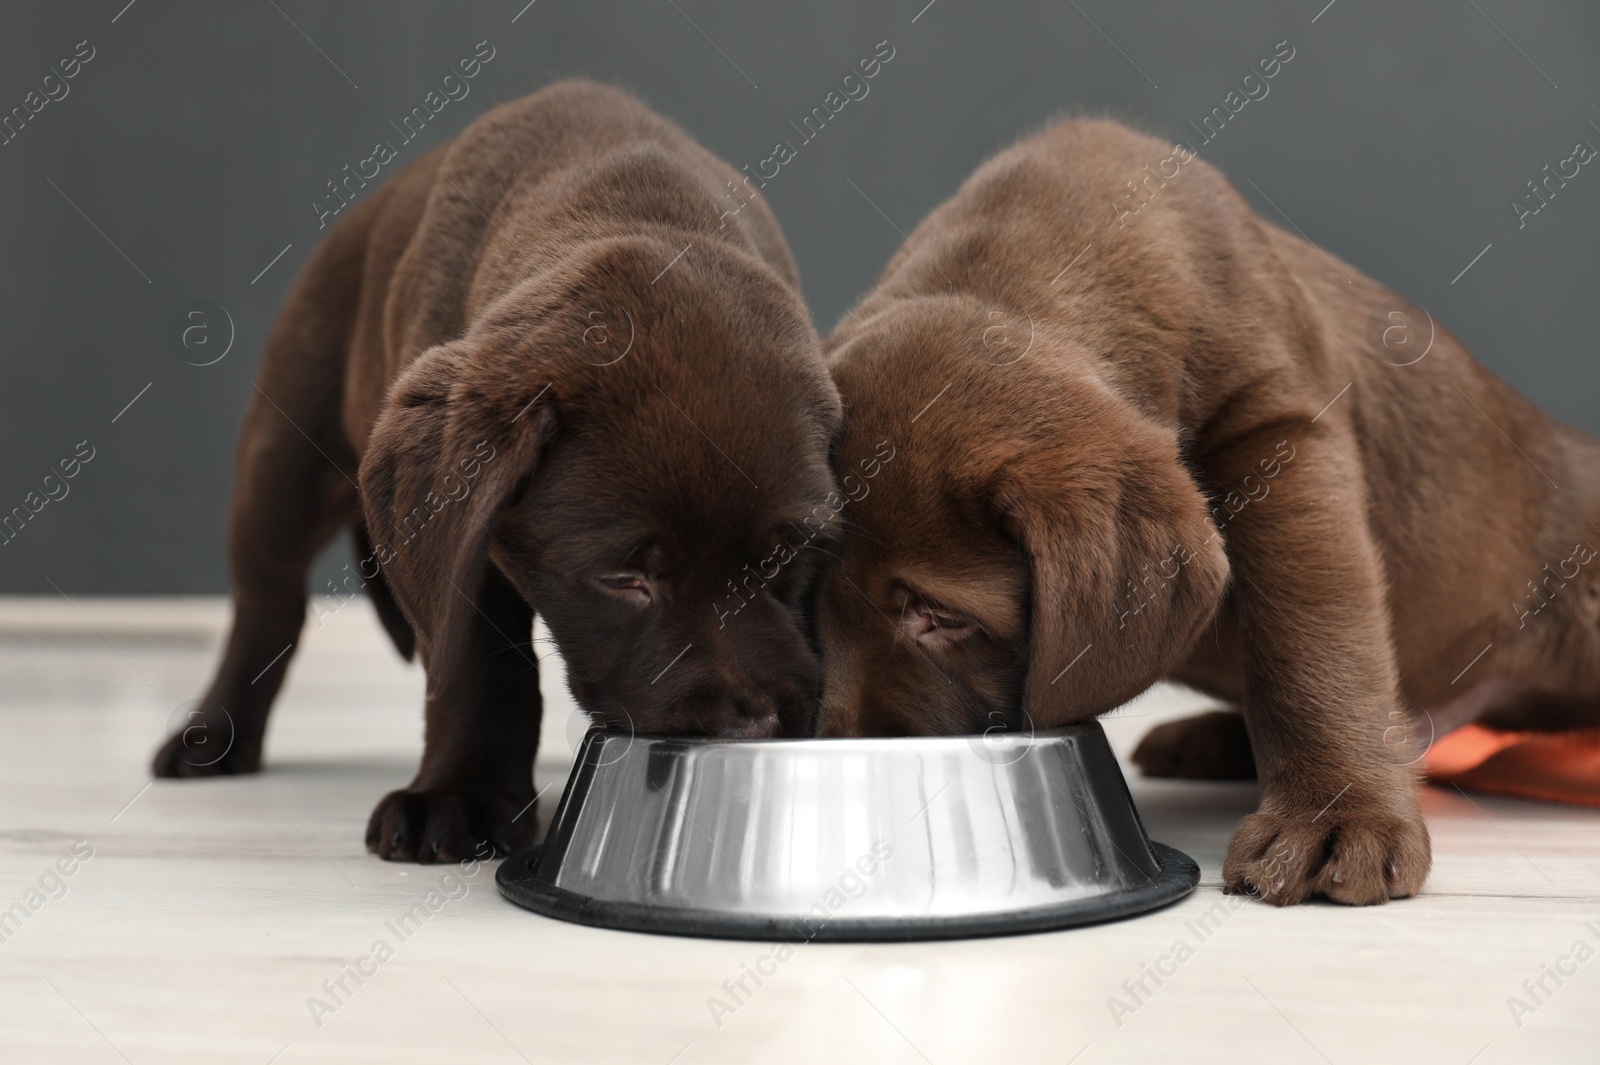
860	839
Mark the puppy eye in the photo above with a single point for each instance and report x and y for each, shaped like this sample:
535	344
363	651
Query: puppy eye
929	624
632	586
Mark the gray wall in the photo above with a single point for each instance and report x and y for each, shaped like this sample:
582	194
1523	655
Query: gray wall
196	138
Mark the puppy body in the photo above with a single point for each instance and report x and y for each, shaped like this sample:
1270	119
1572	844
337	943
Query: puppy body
568	356
1162	443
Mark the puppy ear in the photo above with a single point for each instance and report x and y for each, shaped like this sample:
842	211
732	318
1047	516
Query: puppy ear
448	454
1126	566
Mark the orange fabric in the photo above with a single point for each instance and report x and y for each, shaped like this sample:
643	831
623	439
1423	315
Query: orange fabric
1466	747
1561	767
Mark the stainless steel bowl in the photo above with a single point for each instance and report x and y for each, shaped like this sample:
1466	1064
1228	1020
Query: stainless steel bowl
861	839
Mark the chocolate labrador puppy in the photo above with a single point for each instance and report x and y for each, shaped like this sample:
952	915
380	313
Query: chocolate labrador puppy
568	357
1139	433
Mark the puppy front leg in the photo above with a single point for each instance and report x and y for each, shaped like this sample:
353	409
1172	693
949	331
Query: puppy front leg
1337	817
475	784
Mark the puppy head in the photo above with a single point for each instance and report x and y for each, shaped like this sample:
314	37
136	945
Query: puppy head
1032	555
628	448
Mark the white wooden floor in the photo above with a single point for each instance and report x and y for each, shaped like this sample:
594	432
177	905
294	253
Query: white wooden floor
210	912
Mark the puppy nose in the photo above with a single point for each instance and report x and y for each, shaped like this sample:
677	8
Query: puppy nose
750	719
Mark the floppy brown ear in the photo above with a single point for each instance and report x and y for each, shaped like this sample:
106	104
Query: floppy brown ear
447	455
1126	568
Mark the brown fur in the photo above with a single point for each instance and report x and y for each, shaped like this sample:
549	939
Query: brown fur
551	403
1151	454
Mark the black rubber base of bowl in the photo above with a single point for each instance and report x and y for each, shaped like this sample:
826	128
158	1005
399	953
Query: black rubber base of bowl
518	882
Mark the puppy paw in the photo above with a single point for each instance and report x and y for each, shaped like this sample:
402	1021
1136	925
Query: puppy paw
207	744
1209	746
434	826
1360	858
